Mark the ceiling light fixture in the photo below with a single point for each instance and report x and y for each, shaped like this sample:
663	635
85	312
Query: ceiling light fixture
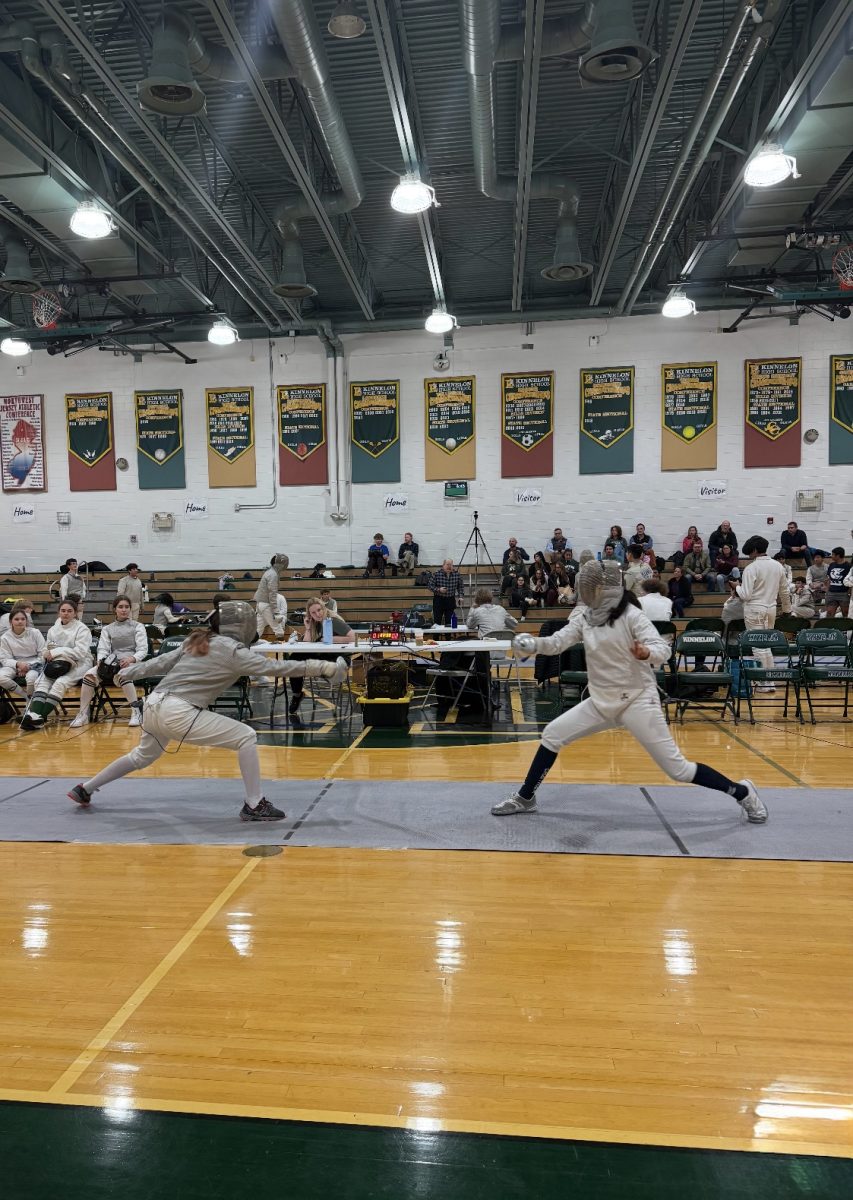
346	21
678	305
89	220
440	320
222	332
412	195
770	165
15	346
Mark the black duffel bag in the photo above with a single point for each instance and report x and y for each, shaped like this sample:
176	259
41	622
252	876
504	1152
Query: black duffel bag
387	681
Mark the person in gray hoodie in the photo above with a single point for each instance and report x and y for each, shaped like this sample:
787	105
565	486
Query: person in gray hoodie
208	662
266	597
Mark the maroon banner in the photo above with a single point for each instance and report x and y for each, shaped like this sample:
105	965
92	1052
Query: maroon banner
772	412
527	424
91	449
302	452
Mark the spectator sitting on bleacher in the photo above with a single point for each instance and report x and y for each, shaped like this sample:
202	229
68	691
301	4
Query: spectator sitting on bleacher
167	611
484	616
637	571
512	570
817	578
538	587
686	546
697	566
680	591
569	563
618	544
726	566
641	538
609	553
559	581
520	551
556	545
21	605
795	543
802	604
654	601
540	562
330	603
377	556
72	586
521	596
407	555
722	535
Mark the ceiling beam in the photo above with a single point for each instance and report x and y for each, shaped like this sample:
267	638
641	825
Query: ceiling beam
532	56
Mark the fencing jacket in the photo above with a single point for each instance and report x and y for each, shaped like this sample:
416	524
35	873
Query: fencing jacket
72	642
26	647
72	585
132	589
764	582
267	590
199	679
615	676
123	638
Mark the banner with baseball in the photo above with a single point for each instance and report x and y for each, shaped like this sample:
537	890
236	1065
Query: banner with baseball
302	452
840	410
22	443
230	436
375	431
160	439
607	421
91	452
772	412
527	424
688	439
449	412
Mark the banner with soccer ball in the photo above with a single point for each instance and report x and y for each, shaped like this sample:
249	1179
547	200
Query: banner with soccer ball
527	424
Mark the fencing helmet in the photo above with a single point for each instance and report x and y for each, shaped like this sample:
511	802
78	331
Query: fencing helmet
600	589
237	620
281	562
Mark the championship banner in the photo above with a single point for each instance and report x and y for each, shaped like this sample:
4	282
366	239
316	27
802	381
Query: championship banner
527	424
230	437
840	410
160	439
772	416
450	450
91	453
375	431
302	452
22	443
688	439
607	421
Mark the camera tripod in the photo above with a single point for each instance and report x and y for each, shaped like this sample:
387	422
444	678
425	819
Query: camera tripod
481	552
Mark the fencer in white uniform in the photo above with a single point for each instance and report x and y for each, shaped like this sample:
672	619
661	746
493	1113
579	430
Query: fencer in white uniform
208	662
21	650
763	584
622	648
266	596
122	643
67	658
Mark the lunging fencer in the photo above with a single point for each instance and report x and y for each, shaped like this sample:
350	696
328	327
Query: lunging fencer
622	648
209	661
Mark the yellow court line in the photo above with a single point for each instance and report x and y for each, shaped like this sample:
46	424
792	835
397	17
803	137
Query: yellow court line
339	762
758	753
318	1116
102	1039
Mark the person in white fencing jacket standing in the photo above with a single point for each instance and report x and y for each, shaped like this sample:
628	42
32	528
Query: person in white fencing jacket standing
764	582
266	596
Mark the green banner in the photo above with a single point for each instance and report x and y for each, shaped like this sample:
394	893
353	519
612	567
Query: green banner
449	412
527	408
772	395
160	439
689	399
302	418
230	422
375	431
840	409
89	418
607	404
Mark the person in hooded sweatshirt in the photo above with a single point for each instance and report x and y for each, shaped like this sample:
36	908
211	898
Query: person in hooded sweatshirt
209	661
622	650
21	655
67	658
123	642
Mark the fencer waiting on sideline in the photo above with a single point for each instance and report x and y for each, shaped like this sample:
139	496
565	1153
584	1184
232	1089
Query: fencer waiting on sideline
266	597
622	648
207	663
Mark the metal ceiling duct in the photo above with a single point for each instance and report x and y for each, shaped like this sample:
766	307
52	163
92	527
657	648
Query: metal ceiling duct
293	284
616	54
568	265
18	275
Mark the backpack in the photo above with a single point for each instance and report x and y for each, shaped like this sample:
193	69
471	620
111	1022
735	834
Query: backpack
422	579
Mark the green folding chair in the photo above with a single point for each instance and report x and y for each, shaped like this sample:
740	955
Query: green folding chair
698	688
788	673
574	681
825	658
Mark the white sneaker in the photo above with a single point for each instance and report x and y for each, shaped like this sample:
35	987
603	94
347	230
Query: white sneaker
135	719
514	804
752	803
765	687
80	720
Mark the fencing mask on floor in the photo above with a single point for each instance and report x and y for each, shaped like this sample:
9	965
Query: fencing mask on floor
600	589
237	620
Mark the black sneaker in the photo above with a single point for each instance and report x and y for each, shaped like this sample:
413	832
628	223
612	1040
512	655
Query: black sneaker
30	723
79	795
264	811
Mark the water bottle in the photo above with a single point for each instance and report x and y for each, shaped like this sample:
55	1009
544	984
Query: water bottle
598	556
327	631
453	621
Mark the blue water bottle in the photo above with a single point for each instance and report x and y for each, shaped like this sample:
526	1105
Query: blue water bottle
453	621
598	556
327	631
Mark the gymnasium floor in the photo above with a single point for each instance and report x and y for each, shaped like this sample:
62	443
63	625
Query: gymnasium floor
652	1001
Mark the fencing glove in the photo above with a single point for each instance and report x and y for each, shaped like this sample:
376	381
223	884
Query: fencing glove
525	644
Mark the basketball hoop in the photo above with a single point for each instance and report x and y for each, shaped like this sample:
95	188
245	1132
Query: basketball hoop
47	308
842	268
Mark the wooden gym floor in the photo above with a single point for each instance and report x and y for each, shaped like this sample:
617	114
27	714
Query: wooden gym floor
189	1021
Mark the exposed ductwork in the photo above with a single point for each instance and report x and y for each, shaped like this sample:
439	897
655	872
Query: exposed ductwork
567	266
293	284
616	54
18	275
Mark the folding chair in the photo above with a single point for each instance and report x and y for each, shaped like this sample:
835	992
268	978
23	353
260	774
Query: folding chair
816	647
17	703
458	676
701	645
790	625
237	697
574	681
789	673
498	659
844	624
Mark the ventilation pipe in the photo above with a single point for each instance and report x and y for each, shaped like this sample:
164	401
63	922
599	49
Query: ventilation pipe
18	276
293	284
616	53
568	266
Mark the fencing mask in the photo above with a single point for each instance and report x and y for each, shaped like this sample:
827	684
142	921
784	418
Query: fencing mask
600	589
237	620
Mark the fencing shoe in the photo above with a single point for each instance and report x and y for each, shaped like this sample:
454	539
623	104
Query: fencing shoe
752	804
514	804
31	722
79	795
263	811
135	718
80	720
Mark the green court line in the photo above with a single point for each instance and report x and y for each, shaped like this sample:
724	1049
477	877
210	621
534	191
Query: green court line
758	754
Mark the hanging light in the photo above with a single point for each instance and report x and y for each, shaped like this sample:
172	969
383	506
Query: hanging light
15	346
770	165
412	195
678	305
346	21
222	332
89	220
440	320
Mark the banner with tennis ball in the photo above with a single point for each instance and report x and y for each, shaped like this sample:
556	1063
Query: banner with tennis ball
840	409
527	424
231	437
688	439
450	450
375	431
160	439
91	449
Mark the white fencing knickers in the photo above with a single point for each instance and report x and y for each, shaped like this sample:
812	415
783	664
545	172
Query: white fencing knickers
760	616
266	616
167	718
642	717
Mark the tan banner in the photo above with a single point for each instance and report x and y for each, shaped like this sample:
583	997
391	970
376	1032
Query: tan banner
230	437
450	445
688	435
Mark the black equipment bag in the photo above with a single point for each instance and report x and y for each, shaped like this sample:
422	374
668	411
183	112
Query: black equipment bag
56	667
422	579
387	681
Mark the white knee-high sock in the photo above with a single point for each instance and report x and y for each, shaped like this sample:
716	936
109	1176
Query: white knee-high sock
250	769
117	770
129	692
87	691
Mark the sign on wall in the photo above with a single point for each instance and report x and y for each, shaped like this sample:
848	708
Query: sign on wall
23	514
22	443
840	409
375	431
91	452
302	451
449	413
772	412
688	416
230	436
527	424
160	439
607	420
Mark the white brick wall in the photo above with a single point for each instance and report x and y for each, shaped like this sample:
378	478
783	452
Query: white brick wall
102	523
